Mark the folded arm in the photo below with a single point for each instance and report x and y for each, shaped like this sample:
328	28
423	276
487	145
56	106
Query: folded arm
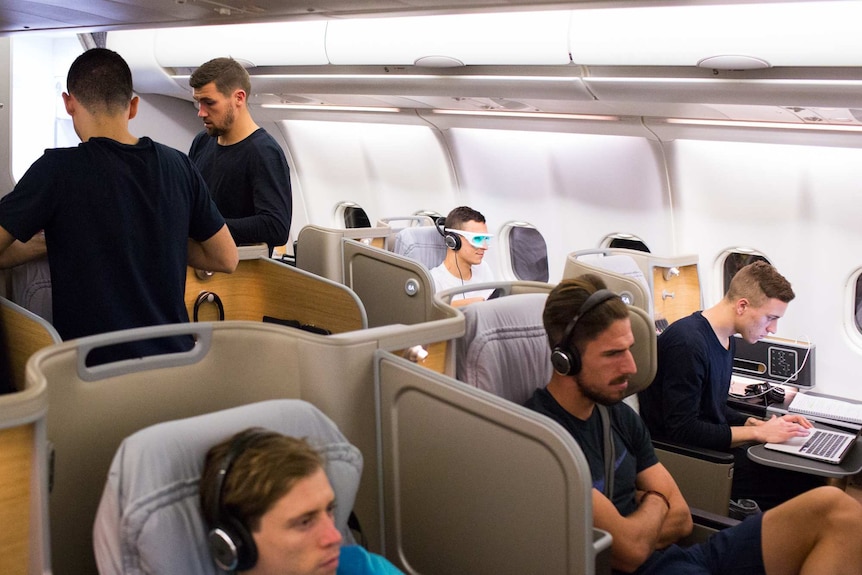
653	525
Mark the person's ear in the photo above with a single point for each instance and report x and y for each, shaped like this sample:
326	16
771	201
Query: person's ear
133	107
69	103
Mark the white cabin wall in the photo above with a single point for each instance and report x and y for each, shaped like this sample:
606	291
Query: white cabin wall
167	120
575	188
798	205
390	170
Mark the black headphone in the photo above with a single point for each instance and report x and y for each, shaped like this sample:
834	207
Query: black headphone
452	240
565	358
230	542
205	297
772	394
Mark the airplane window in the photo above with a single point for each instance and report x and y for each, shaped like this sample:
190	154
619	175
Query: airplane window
736	260
627	241
858	303
352	215
355	217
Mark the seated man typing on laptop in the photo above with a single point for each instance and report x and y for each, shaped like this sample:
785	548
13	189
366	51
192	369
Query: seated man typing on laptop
687	401
818	532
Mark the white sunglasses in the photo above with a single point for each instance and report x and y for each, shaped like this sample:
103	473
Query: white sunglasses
476	240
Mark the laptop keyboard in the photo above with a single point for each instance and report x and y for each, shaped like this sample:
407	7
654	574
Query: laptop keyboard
822	444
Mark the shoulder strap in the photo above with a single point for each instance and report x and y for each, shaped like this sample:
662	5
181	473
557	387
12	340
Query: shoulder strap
608	454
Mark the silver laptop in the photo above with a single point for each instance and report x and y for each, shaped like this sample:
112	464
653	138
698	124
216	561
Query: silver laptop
821	444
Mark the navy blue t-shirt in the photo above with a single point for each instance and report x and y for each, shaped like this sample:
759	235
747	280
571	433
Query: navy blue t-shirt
632	445
117	219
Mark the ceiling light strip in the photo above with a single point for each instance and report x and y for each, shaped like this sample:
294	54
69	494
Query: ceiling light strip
746	81
543	115
328	108
767	125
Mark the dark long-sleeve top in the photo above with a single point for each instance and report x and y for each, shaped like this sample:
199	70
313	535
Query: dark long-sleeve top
687	400
250	183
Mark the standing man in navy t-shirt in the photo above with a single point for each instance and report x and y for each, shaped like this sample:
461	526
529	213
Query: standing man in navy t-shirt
122	216
243	165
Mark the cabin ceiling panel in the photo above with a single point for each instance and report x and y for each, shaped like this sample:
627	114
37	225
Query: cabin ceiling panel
101	15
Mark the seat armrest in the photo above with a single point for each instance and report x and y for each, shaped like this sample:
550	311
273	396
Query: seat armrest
706	524
712	520
602	546
704	476
709	455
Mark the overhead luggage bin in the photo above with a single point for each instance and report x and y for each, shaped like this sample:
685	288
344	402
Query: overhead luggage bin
509	38
725	37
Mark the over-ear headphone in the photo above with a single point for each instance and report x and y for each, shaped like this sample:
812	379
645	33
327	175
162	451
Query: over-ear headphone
773	394
205	297
452	241
565	358
230	542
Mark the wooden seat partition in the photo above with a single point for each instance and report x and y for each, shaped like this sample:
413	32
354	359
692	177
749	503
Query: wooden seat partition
23	501
25	334
264	287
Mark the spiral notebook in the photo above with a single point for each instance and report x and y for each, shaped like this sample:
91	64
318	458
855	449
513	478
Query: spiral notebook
826	407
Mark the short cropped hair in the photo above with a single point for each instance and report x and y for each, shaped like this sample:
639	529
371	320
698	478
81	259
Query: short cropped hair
564	302
227	73
758	282
101	81
461	215
266	469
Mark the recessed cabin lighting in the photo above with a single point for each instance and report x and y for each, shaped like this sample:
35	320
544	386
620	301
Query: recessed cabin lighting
764	125
328	108
541	115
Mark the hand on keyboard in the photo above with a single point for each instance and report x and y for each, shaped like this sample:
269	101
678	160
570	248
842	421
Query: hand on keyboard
778	429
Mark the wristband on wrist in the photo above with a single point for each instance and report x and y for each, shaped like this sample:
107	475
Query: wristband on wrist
657	493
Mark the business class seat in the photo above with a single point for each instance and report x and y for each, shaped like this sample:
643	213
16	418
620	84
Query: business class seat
505	351
421	243
149	518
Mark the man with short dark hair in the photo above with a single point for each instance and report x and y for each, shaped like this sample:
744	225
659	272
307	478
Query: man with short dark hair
280	505
122	216
687	401
467	239
817	532
243	165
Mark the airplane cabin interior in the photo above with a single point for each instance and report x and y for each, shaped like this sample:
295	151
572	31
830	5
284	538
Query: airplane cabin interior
660	145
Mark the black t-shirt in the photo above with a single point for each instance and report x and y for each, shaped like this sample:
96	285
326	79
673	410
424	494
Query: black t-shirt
632	445
117	219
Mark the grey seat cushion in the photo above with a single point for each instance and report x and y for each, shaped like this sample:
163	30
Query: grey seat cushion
505	347
149	518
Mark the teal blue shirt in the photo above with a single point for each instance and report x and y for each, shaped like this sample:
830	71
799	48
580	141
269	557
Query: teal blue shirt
355	560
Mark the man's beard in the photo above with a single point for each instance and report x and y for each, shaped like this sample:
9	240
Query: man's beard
608	398
216	131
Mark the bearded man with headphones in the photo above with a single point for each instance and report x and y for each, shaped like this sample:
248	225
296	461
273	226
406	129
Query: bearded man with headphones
467	238
269	506
635	499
